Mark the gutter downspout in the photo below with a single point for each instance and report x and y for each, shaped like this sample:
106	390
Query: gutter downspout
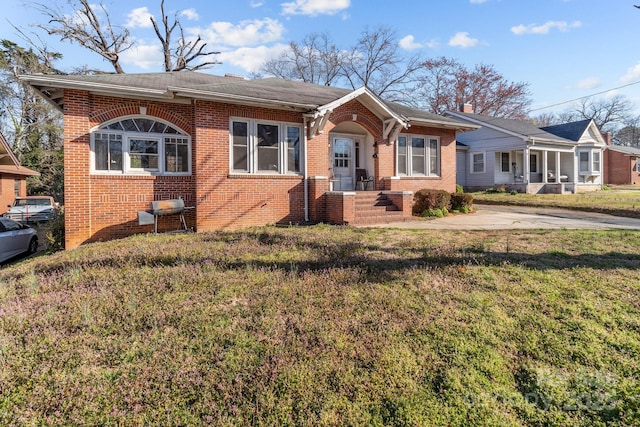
306	174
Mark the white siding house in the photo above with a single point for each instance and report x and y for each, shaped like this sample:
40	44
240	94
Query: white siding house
521	156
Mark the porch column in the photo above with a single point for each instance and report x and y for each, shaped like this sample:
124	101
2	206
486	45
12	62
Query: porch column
525	167
558	167
545	165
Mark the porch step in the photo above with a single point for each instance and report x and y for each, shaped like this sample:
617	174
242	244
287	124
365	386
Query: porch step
375	208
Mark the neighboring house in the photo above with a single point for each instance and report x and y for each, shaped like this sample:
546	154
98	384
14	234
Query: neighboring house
622	165
13	177
523	157
240	152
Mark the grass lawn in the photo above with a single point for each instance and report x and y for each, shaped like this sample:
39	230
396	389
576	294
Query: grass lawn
622	200
326	326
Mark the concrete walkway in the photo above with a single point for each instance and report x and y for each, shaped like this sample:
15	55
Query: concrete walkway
488	217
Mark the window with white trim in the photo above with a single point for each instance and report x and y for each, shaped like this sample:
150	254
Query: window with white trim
638	164
477	163
418	155
259	146
140	145
589	162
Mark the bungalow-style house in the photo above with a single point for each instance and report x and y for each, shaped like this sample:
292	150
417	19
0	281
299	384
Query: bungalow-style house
622	165
13	177
240	152
520	156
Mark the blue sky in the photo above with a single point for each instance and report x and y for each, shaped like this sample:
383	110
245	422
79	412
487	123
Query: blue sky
565	49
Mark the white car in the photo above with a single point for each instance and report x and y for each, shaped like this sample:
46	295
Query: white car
32	209
16	239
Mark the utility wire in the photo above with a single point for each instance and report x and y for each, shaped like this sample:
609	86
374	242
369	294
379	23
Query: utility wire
584	97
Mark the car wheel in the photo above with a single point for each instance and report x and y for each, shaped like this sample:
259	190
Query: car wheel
33	246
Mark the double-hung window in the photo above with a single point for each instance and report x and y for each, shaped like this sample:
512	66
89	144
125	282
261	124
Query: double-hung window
265	147
477	163
418	155
638	164
589	162
140	145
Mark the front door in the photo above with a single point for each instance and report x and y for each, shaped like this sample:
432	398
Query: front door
343	164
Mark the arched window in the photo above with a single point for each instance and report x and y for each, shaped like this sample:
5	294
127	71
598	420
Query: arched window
140	145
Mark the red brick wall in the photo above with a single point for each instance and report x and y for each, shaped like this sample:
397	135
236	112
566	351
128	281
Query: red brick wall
103	207
620	169
7	190
100	207
447	179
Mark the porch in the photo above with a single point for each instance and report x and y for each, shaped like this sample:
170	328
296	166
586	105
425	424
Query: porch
534	171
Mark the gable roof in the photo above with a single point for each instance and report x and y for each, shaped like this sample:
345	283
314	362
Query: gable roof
572	131
522	129
9	162
271	92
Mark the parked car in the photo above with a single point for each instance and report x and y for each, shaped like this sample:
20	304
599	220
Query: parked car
16	238
32	209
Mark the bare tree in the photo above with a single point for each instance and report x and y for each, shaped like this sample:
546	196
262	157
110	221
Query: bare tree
315	60
87	29
377	62
629	134
186	51
445	83
607	113
90	26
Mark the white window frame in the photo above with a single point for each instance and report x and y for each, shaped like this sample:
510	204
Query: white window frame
472	163
252	147
638	164
590	162
127	136
428	139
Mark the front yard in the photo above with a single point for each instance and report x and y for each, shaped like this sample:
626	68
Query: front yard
326	326
619	200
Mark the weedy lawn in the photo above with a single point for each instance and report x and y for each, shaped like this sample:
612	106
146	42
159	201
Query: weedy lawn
326	326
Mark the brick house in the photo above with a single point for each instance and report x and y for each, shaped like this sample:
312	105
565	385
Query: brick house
622	164
13	177
241	152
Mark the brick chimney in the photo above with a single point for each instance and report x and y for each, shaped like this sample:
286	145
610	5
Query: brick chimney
465	107
607	137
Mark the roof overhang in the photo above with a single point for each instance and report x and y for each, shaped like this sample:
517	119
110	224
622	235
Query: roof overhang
52	89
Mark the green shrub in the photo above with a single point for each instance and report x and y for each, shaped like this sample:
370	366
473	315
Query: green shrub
459	188
460	201
435	213
513	192
430	199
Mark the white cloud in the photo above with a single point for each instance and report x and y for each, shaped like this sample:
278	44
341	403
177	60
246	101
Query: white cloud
139	18
190	14
251	59
143	56
246	33
545	28
256	4
314	7
589	83
463	40
478	1
633	74
409	43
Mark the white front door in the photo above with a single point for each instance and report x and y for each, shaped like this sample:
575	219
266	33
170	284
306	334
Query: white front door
343	164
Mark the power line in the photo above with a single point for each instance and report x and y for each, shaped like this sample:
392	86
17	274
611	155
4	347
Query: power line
584	97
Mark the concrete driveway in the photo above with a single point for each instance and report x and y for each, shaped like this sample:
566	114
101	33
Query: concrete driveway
488	217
